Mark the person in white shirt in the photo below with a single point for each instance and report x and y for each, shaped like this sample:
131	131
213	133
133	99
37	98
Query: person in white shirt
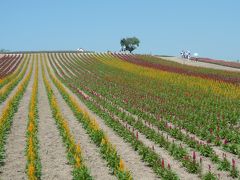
188	55
182	54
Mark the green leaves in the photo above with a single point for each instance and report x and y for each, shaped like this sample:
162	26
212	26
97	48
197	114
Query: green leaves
129	44
209	176
224	165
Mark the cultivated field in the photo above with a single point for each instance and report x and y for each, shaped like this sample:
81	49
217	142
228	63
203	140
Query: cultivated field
116	116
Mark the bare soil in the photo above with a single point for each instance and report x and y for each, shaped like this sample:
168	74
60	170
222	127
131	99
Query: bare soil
52	151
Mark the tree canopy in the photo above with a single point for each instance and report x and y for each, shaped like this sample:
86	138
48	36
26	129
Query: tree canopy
129	44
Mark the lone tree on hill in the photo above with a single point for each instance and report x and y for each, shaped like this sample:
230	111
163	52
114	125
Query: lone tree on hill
129	44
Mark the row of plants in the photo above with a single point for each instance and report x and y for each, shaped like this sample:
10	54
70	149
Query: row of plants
219	132
74	153
5	59
147	153
10	66
6	79
33	167
205	150
12	83
204	70
8	113
161	64
108	151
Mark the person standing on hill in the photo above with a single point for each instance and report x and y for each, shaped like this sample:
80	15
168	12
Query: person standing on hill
188	55
182	54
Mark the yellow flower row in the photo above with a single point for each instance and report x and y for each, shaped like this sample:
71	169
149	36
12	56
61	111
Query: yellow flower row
32	156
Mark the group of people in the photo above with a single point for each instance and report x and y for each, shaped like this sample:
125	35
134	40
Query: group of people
185	54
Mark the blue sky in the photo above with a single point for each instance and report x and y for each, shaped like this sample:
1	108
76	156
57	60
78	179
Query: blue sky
209	27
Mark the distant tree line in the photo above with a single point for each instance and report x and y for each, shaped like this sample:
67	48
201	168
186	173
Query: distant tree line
4	50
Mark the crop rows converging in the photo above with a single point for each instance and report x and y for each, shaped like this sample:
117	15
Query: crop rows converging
116	116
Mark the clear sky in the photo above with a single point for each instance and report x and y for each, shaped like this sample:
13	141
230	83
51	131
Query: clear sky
208	27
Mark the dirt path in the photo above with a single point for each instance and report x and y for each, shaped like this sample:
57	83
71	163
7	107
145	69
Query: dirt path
91	154
15	161
199	64
139	169
52	151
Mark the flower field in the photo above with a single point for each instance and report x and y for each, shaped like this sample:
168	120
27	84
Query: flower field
116	116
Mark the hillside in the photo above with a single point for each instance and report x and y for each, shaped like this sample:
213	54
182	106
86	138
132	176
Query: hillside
117	116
